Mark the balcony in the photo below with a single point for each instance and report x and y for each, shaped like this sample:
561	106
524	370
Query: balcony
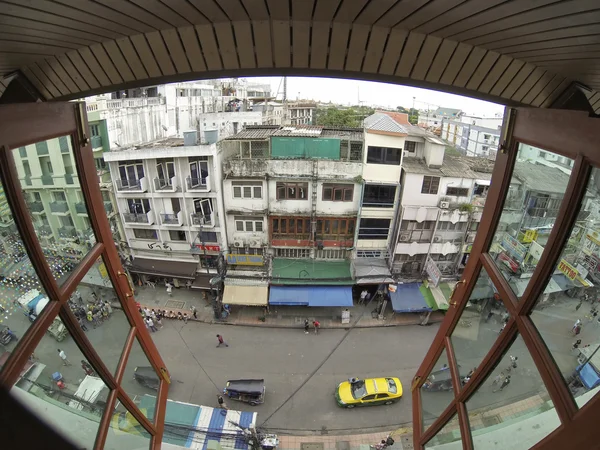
133	185
198	184
69	178
59	207
170	219
80	208
67	232
205	220
165	185
36	207
96	142
108	206
47	180
43	230
141	219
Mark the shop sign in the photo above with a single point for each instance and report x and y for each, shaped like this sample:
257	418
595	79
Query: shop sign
536	250
514	247
530	236
245	260
568	270
102	270
433	271
208	248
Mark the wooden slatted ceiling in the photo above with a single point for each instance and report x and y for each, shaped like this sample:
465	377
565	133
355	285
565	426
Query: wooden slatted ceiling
525	51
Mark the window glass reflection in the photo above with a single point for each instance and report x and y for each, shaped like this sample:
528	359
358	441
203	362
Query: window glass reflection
512	408
450	433
53	194
537	187
140	381
437	391
125	432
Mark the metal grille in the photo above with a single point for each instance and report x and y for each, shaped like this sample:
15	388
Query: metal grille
292	252
344	156
259	149
356	151
372	254
331	253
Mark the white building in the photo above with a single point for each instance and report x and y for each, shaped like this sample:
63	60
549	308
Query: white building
473	136
301	112
432	120
272	112
169	199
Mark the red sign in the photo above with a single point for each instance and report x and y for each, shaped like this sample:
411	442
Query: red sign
208	248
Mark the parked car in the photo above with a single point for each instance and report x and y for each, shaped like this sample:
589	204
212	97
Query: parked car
367	392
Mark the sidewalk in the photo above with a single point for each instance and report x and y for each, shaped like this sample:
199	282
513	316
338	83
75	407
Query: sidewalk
403	441
279	317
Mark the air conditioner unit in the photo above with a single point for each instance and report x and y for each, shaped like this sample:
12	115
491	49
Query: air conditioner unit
437	239
238	242
404	237
444	204
255	243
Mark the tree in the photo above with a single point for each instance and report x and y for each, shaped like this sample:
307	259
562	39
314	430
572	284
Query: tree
338	117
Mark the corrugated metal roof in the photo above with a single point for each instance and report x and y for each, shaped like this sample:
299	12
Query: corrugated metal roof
299	130
383	122
260	132
351	134
453	166
541	178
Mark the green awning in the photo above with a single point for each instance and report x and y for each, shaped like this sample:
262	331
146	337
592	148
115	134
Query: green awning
308	271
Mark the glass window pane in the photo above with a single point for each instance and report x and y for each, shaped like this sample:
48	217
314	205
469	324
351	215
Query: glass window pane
105	327
62	388
512	408
537	187
448	434
566	313
140	380
478	327
59	215
437	391
126	432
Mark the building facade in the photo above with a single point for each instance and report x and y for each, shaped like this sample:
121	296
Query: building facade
473	136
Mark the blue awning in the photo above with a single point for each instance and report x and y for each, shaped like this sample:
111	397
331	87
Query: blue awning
588	376
311	296
408	298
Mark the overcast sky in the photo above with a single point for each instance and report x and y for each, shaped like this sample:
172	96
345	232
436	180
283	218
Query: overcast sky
381	94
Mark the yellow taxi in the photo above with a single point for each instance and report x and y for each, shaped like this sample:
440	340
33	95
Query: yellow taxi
370	391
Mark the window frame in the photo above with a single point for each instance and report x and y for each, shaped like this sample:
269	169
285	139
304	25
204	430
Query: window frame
430	181
244	220
282	190
344	189
384	156
242	186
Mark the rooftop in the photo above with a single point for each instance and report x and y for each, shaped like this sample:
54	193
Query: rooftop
301	271
447	112
263	132
254	132
541	178
383	122
453	166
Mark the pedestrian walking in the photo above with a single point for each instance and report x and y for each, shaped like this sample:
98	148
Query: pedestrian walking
81	324
147	312
576	330
153	314
513	363
185	317
221	341
12	334
498	379
63	356
576	344
194	312
150	324
317	325
221	402
158	321
505	383
579	305
87	368
444	367
169	288
306	326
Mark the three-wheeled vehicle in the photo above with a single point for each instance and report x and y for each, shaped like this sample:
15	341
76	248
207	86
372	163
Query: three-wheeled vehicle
146	376
440	380
249	391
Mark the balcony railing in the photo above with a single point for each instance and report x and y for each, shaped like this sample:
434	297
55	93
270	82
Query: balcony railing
59	207
36	207
47	180
205	220
146	219
132	185
80	208
96	142
165	184
198	184
67	232
171	219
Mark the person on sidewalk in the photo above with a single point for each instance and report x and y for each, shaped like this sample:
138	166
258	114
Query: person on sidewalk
150	324
169	288
306	326
194	312
221	402
221	341
505	383
317	325
87	368
185	318
63	356
81	324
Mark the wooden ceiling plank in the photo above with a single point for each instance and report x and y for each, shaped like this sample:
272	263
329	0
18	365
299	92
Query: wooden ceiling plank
468	68
282	47
392	51
482	70
518	79
373	11
441	60
132	59
61	73
409	54
257	9
159	9
431	9
92	63
175	48
460	55
42	34
356	49
210	50
563	57
594	98
4	36
349	10
30	48
279	10
320	44
529	82
192	48
565	83
547	91
234	9
131	10
73	72
118	60
596	105
106	63
300	43
227	45
539	87
45	80
460	12
339	45
495	74
245	44
37	83
210	10
375	49
548	35
549	45
426	57
53	77
76	36
556	51
400	11
159	50
325	10
302	10
507	76
145	54
83	69
185	9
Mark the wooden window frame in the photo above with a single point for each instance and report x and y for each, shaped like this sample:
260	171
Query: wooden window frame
449	188
285	186
24	124
545	129
344	188
383	155
428	180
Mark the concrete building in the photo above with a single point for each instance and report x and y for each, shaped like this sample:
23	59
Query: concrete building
301	112
473	136
272	112
432	120
169	198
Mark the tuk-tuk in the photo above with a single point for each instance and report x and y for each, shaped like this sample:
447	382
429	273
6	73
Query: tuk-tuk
249	391
440	380
146	376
